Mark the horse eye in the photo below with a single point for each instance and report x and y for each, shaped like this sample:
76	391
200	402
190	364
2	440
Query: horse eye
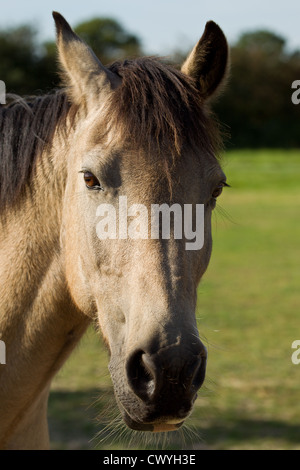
91	181
217	192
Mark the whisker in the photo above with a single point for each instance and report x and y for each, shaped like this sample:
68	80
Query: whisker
225	214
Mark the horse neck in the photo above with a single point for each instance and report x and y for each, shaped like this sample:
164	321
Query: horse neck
30	234
39	322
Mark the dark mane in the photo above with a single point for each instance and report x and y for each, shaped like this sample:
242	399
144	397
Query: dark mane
156	107
26	127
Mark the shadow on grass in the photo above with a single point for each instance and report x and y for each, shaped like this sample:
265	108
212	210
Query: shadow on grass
248	433
71	418
90	420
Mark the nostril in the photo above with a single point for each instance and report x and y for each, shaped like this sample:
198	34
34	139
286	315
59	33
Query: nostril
199	373
155	375
141	374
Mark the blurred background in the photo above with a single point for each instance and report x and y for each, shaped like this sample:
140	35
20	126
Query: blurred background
248	302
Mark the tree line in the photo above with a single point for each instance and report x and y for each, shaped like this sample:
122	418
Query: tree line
256	108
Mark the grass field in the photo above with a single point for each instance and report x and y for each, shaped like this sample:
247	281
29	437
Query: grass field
248	316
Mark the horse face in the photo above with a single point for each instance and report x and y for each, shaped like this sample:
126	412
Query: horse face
141	284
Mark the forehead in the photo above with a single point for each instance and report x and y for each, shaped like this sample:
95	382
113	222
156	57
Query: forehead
156	109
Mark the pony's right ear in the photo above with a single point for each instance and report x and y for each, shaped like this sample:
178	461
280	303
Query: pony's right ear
208	62
82	71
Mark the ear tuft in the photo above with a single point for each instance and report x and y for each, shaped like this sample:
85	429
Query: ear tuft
82	71
62	26
207	64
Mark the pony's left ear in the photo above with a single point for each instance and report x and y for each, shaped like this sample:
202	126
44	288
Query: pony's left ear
82	71
208	61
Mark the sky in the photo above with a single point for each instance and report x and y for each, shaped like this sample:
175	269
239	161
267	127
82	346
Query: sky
163	25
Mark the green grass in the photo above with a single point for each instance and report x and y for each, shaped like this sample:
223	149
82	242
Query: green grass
248	316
